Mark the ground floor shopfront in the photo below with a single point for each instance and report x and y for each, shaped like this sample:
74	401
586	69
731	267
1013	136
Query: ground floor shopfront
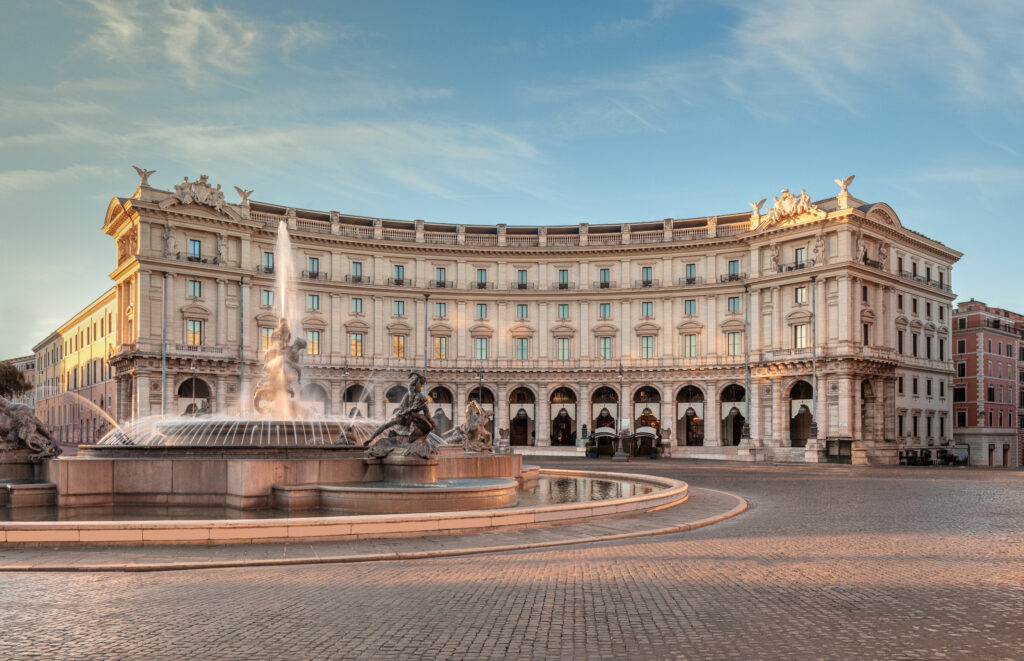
700	413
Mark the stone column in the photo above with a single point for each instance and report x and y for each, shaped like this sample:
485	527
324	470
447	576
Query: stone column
337	329
543	334
378	330
667	331
778	341
853	318
821	314
142	394
584	325
712	415
754	317
379	407
714	333
246	325
220	395
844	424
462	323
500	411
847	306
123	390
780	415
501	336
754	413
583	413
222	328
460	396
542	425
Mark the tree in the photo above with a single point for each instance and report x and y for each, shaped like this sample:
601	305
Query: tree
12	381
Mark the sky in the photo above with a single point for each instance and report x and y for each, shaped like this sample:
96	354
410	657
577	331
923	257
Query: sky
534	113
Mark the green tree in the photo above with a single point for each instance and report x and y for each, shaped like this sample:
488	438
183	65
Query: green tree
12	381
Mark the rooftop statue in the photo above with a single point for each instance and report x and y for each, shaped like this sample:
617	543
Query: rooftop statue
20	429
143	175
244	194
844	184
473	433
409	428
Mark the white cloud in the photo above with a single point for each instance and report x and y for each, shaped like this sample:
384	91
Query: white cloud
17	181
197	40
120	27
301	35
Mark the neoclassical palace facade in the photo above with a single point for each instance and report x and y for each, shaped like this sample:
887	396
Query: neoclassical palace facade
813	329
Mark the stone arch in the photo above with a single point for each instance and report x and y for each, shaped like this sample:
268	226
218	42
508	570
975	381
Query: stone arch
195	394
564	415
314	398
733	399
690	425
522	415
356	401
442	404
800	394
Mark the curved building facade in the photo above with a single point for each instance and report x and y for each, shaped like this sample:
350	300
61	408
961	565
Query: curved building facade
811	330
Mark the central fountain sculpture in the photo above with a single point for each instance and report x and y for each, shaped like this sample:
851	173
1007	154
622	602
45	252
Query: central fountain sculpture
410	428
275	398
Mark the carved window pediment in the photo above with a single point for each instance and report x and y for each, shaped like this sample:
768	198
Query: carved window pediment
647	328
399	327
732	326
563	330
196	311
314	322
481	330
357	325
690	326
605	330
441	329
521	330
799	316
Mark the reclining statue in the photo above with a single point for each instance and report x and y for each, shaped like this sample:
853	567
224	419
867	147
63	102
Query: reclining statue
473	433
20	428
409	428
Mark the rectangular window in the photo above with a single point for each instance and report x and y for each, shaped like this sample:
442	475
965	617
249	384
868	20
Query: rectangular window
268	262
960	394
800	295
481	276
928	387
961	369
928	426
735	343
195	249
915	426
913	344
563	348
734	267
357	269
563	310
604	275
899	341
961	322
195	288
913	271
899	385
521	276
522	311
440	310
691	273
913	386
690	306
866	329
399	273
899	301
522	348
313	342
398	346
605	311
313	301
942	349
928	347
265	334
563	276
194	332
480	344
647	309
961	418
647	346
440	274
355	344
800	256
991	392
604	348
961	346
690	345
800	336
864	293
913	305
734	304
313	265
268	298
647	274
399	308
899	425
440	347
927	308
481	310
357	306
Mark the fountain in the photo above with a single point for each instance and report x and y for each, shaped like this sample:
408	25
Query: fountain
279	458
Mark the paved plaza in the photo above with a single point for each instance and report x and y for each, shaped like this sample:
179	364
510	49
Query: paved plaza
828	562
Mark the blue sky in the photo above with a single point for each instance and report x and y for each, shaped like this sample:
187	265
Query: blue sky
524	113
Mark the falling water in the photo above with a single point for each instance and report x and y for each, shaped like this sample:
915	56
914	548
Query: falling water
284	271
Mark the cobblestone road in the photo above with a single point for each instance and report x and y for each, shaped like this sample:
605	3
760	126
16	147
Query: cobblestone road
830	562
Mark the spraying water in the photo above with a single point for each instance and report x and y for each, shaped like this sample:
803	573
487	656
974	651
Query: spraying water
284	273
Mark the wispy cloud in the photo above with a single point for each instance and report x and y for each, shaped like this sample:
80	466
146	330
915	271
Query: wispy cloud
17	181
301	35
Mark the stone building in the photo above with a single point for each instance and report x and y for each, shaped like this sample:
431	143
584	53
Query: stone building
27	366
76	393
988	354
794	326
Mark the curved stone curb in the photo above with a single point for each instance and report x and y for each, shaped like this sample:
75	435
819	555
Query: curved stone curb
740	507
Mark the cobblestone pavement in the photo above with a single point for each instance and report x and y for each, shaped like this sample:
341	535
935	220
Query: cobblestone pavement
829	562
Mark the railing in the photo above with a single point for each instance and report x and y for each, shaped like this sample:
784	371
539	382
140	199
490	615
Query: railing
564	240
795	266
265	269
604	285
735	228
692	233
940	285
359	232
266	218
195	258
875	264
198	349
315	275
522	285
650	236
732	277
315	226
449	238
442	284
563	285
683	282
481	239
604	239
359	279
521	240
482	285
644	284
400	282
398	235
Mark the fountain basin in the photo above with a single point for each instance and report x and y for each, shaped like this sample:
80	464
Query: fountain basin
665	492
399	498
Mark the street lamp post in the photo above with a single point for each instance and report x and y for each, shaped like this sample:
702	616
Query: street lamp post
619	454
426	338
814	362
193	388
745	433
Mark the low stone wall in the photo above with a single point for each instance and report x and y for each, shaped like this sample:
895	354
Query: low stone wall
341	528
